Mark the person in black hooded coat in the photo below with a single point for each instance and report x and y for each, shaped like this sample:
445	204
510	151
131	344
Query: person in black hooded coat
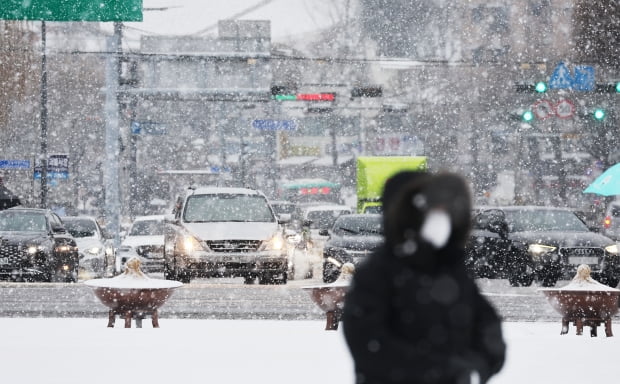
412	313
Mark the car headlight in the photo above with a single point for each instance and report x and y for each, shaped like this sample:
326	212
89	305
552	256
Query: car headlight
539	250
64	248
613	249
190	244
32	249
276	243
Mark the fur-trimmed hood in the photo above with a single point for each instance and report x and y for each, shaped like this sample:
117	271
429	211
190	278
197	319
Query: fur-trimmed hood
428	220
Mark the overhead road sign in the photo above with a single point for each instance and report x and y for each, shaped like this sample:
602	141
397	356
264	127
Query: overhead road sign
543	109
14	164
57	167
274	125
148	127
564	109
582	80
73	10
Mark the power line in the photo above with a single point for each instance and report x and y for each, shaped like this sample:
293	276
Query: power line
322	59
235	16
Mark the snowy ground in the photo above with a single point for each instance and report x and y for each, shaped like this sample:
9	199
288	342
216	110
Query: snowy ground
253	351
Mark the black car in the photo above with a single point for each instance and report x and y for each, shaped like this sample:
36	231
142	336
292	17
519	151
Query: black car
35	246
351	239
523	243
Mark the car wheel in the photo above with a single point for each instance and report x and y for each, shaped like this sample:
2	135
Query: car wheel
184	277
527	280
72	277
487	272
249	279
264	278
549	280
523	279
610	281
283	278
514	280
330	273
169	273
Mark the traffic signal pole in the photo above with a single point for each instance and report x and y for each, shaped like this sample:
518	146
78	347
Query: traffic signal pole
43	136
112	148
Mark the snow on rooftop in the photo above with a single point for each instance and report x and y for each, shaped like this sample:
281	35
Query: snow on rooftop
296	160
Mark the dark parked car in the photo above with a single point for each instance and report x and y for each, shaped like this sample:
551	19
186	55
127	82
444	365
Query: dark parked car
525	243
351	239
34	245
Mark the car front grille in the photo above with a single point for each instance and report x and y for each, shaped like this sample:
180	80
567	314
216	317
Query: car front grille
11	255
234	245
150	251
582	255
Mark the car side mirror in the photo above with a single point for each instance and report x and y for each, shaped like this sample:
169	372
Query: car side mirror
59	230
499	226
170	219
284	218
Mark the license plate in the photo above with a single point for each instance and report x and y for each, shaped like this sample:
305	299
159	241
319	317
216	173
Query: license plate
583	260
4	260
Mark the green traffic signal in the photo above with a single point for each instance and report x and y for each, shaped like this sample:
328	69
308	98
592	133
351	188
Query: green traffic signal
541	87
527	116
618	87
599	114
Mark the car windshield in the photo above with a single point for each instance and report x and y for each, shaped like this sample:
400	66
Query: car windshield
227	207
374	209
324	219
147	228
80	228
22	222
544	220
358	225
280	208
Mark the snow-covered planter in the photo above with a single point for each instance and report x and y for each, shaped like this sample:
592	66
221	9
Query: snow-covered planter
133	294
330	297
585	302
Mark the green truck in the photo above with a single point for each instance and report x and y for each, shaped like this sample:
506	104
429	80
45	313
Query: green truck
374	171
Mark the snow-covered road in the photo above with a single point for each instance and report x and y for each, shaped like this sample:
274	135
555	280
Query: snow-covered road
68	351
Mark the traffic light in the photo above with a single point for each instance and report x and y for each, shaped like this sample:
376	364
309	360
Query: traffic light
599	114
613	87
283	93
538	87
527	116
370	91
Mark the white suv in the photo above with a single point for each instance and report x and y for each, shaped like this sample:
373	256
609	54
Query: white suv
222	232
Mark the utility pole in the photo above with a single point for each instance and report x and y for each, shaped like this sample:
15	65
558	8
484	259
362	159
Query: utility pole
110	171
43	137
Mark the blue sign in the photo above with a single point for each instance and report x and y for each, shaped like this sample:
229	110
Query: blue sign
14	164
583	80
148	127
274	125
57	167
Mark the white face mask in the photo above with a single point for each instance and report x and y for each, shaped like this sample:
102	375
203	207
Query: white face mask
436	228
